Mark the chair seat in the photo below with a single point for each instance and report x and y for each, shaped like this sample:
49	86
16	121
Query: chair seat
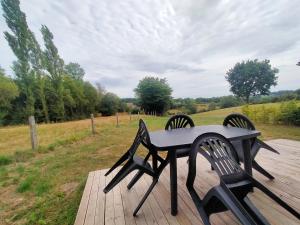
182	152
139	161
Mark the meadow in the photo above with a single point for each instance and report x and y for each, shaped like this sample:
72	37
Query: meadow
45	186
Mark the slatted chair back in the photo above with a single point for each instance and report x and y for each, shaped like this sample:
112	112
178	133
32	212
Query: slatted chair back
142	137
221	155
241	121
238	120
179	121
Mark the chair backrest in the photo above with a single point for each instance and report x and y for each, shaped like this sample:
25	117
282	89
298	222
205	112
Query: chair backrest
179	121
142	137
221	155
238	120
241	121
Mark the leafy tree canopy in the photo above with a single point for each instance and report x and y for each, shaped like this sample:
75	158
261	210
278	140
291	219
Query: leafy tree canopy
8	90
52	61
75	71
91	96
109	104
154	94
251	78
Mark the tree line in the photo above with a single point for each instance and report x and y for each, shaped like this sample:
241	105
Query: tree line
43	84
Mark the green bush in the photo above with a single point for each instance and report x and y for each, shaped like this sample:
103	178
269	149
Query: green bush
229	101
211	106
190	107
288	113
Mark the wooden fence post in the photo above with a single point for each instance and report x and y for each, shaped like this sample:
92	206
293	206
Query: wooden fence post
93	124
33	134
129	116
138	115
117	115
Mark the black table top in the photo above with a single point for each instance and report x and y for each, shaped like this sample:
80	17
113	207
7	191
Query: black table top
184	137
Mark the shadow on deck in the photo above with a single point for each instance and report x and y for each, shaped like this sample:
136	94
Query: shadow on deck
116	207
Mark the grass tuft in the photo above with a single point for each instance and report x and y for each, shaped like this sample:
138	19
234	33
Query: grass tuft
23	156
3	173
42	187
5	160
25	185
20	169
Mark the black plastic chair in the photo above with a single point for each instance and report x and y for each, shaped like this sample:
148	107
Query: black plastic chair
239	120
138	163
180	121
235	183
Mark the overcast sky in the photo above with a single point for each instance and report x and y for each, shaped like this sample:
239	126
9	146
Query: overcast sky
190	42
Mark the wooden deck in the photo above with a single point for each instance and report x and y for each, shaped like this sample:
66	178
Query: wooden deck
116	207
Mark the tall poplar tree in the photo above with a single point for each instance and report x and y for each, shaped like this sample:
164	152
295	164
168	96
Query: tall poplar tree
20	40
55	66
36	59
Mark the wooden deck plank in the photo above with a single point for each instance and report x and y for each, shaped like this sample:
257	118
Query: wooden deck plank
162	197
150	204
140	189
91	210
128	208
80	218
133	202
109	203
116	207
100	205
286	142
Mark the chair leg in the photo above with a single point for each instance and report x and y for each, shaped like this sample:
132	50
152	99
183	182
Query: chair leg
118	163
154	182
254	212
212	204
266	146
124	171
136	177
275	198
257	167
200	206
227	198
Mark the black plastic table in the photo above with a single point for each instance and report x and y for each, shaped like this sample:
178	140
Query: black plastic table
171	140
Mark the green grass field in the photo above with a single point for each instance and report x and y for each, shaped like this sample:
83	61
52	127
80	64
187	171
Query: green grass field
45	186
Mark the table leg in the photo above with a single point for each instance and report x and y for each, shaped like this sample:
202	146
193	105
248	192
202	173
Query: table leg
247	156
173	182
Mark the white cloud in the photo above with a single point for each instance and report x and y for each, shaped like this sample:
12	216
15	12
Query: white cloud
192	43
